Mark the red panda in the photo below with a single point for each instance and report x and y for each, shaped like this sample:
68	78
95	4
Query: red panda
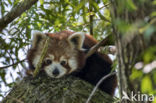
66	56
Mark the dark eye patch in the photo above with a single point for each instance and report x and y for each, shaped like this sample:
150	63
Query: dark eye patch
63	62
48	61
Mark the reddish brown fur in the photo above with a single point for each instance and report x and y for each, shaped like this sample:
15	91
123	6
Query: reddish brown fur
88	42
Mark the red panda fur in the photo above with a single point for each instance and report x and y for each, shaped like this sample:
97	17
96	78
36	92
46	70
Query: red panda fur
91	69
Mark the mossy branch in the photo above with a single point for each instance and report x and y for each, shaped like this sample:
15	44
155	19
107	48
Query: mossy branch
44	51
43	89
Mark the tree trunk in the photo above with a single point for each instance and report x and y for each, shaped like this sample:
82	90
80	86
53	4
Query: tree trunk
43	89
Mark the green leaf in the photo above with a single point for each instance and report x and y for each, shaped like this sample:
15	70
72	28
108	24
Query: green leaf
39	24
146	85
130	5
154	2
154	99
82	3
154	76
41	2
136	74
103	17
149	54
2	76
122	25
153	14
10	2
105	1
2	9
149	31
95	5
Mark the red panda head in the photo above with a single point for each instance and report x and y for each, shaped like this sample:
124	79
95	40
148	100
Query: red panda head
64	54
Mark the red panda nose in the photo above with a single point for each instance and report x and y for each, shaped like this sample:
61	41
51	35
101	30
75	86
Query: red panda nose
56	72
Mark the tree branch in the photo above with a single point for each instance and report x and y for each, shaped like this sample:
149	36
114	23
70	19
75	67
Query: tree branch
15	12
98	84
44	89
93	49
12	64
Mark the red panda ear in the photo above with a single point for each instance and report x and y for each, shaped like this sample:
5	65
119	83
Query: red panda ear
37	37
77	39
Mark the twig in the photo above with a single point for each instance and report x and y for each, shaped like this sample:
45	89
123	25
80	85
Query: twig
97	85
12	64
96	47
44	51
106	5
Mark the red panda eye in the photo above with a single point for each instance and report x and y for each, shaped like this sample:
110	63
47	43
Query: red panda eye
48	61
63	62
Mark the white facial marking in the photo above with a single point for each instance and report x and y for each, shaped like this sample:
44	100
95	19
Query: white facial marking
73	64
36	60
55	65
35	34
51	56
81	38
63	59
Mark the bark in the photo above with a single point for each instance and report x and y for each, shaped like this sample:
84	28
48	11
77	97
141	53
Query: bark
16	12
43	89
